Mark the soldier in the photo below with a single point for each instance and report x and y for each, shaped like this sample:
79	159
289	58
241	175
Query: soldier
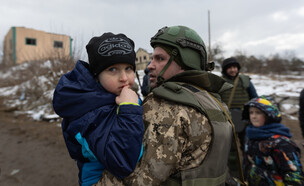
235	98
188	136
242	92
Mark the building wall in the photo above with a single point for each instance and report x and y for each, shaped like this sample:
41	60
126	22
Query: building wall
18	48
142	58
7	47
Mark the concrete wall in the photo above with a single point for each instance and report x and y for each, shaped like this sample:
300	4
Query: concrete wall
17	50
8	47
141	66
142	59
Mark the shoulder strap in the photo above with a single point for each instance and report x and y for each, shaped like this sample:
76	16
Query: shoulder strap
187	94
225	110
173	91
242	181
233	91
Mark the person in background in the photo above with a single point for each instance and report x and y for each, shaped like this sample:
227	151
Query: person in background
145	90
102	120
270	156
301	112
188	136
241	93
243	90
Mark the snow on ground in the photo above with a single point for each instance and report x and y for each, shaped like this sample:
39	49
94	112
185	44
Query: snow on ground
282	86
279	85
13	69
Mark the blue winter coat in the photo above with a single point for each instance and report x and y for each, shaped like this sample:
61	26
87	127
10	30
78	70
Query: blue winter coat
98	133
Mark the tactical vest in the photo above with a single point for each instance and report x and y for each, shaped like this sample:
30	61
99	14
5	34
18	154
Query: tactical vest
214	167
241	95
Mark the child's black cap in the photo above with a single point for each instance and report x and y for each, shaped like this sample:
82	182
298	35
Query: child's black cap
109	49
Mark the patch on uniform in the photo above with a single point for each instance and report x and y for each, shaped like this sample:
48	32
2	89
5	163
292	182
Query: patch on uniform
155	128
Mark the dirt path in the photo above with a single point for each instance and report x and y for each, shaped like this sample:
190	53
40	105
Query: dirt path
33	153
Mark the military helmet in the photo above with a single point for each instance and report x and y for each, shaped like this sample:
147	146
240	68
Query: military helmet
189	45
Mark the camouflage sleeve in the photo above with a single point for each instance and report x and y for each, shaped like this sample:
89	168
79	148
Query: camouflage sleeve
108	179
177	138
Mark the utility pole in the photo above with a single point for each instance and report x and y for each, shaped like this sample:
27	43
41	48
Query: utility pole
209	36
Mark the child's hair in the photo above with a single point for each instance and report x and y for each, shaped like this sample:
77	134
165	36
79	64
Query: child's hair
109	49
267	105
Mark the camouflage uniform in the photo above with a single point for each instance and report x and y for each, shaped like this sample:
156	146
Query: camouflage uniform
188	137
177	138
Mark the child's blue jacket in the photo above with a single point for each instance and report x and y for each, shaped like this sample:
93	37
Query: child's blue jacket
98	133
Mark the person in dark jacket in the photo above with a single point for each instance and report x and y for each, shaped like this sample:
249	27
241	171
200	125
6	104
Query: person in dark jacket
145	90
102	120
271	157
235	98
244	91
301	112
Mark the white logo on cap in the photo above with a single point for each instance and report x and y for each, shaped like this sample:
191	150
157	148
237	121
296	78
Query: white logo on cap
114	46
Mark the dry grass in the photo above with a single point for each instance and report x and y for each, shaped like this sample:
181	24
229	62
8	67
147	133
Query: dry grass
35	81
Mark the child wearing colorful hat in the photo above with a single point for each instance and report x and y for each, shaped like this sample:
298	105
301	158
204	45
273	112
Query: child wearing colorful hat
102	120
270	156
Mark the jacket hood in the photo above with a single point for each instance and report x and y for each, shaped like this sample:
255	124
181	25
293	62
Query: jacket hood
267	105
77	93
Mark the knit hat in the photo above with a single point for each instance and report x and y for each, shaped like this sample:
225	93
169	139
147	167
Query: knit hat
267	105
229	62
109	49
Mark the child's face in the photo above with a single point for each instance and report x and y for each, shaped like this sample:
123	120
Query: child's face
257	117
117	76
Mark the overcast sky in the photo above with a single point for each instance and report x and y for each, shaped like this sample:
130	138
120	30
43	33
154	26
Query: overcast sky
256	27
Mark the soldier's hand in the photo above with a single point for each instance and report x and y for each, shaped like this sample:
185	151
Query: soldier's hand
108	179
127	95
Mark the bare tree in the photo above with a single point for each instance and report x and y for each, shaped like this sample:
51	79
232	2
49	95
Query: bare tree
296	65
241	58
277	65
217	52
253	65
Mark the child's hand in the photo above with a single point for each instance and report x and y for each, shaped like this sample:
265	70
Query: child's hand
127	95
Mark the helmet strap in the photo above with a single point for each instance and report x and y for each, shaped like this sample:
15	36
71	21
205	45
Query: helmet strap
160	78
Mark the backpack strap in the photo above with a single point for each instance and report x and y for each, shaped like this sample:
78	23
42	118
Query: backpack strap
242	181
233	91
186	94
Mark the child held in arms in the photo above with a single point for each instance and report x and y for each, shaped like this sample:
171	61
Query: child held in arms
102	119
